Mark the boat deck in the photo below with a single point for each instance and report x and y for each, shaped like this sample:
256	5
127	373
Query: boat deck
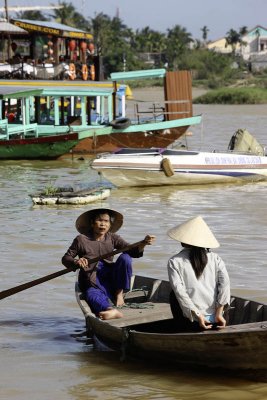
145	313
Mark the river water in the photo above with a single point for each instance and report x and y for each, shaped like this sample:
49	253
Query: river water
44	353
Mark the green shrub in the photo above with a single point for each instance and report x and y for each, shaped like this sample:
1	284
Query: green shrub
244	95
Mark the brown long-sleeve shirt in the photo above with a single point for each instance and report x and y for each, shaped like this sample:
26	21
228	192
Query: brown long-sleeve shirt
86	246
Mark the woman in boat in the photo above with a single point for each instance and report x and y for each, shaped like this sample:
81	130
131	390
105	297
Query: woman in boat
198	277
104	282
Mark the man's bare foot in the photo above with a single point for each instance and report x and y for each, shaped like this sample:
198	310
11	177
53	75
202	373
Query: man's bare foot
119	299
110	314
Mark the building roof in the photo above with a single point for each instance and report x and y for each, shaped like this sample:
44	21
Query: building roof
51	28
8	28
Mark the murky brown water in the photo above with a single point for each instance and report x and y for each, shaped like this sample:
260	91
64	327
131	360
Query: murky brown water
44	354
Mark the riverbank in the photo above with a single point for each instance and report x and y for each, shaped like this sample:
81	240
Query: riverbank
233	95
228	95
156	93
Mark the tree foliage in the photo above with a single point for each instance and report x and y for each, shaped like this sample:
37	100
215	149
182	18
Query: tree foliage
121	48
32	15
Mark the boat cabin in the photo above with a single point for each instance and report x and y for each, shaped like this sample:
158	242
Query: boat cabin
44	108
177	94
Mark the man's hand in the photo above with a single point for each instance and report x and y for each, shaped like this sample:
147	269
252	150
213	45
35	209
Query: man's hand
82	262
149	239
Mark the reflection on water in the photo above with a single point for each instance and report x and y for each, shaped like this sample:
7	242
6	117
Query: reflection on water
44	352
149	381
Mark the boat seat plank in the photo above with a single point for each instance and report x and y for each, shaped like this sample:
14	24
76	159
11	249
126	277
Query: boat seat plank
133	316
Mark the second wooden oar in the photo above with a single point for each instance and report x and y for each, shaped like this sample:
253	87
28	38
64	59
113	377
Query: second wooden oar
24	286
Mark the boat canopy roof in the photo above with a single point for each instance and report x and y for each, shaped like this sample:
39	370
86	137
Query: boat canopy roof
13	92
43	88
142	74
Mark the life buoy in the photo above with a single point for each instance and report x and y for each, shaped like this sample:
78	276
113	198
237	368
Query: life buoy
92	72
72	71
120	123
167	167
84	72
11	117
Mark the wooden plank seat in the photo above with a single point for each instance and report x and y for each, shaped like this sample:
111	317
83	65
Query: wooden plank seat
152	313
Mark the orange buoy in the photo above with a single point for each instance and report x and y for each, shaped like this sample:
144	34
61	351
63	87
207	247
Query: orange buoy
72	71
84	72
92	72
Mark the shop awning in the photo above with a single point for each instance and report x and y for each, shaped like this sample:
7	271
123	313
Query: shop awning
51	28
10	29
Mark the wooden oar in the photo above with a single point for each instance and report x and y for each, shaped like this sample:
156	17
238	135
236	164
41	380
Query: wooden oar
24	286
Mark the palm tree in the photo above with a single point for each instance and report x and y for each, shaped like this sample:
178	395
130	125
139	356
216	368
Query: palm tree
232	39
65	14
178	40
32	15
205	31
243	30
101	30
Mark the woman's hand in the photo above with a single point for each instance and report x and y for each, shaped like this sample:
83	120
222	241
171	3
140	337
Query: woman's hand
219	318
203	323
221	321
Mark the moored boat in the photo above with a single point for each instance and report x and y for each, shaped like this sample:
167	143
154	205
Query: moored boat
157	167
147	331
37	114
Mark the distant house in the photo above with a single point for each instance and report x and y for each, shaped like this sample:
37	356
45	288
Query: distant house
220	46
253	48
256	42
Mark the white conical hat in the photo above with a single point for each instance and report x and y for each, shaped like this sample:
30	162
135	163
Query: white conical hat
194	232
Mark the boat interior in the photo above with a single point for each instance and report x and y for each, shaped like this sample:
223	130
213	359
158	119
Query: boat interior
147	309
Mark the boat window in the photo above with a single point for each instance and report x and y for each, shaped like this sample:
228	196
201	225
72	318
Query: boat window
179	153
12	111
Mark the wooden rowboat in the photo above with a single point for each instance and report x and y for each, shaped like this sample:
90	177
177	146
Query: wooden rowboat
147	331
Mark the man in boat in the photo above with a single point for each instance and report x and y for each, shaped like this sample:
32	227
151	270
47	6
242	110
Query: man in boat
198	277
104	281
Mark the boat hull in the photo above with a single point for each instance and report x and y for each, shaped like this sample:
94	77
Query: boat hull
45	147
133	178
185	168
92	140
160	134
149	332
116	140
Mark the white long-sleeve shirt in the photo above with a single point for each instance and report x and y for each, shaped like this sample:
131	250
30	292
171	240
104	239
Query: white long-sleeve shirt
201	295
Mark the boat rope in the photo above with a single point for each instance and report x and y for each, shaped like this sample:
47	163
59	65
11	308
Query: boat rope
139	304
136	305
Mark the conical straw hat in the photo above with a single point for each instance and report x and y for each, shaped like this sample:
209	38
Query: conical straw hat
194	232
84	221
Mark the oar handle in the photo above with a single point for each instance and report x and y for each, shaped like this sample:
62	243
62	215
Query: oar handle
24	286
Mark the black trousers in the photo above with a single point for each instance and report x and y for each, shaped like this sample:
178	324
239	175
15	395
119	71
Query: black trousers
182	323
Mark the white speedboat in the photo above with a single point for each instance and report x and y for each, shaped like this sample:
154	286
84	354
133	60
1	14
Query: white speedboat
244	161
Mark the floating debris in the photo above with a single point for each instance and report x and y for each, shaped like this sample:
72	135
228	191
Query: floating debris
61	196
